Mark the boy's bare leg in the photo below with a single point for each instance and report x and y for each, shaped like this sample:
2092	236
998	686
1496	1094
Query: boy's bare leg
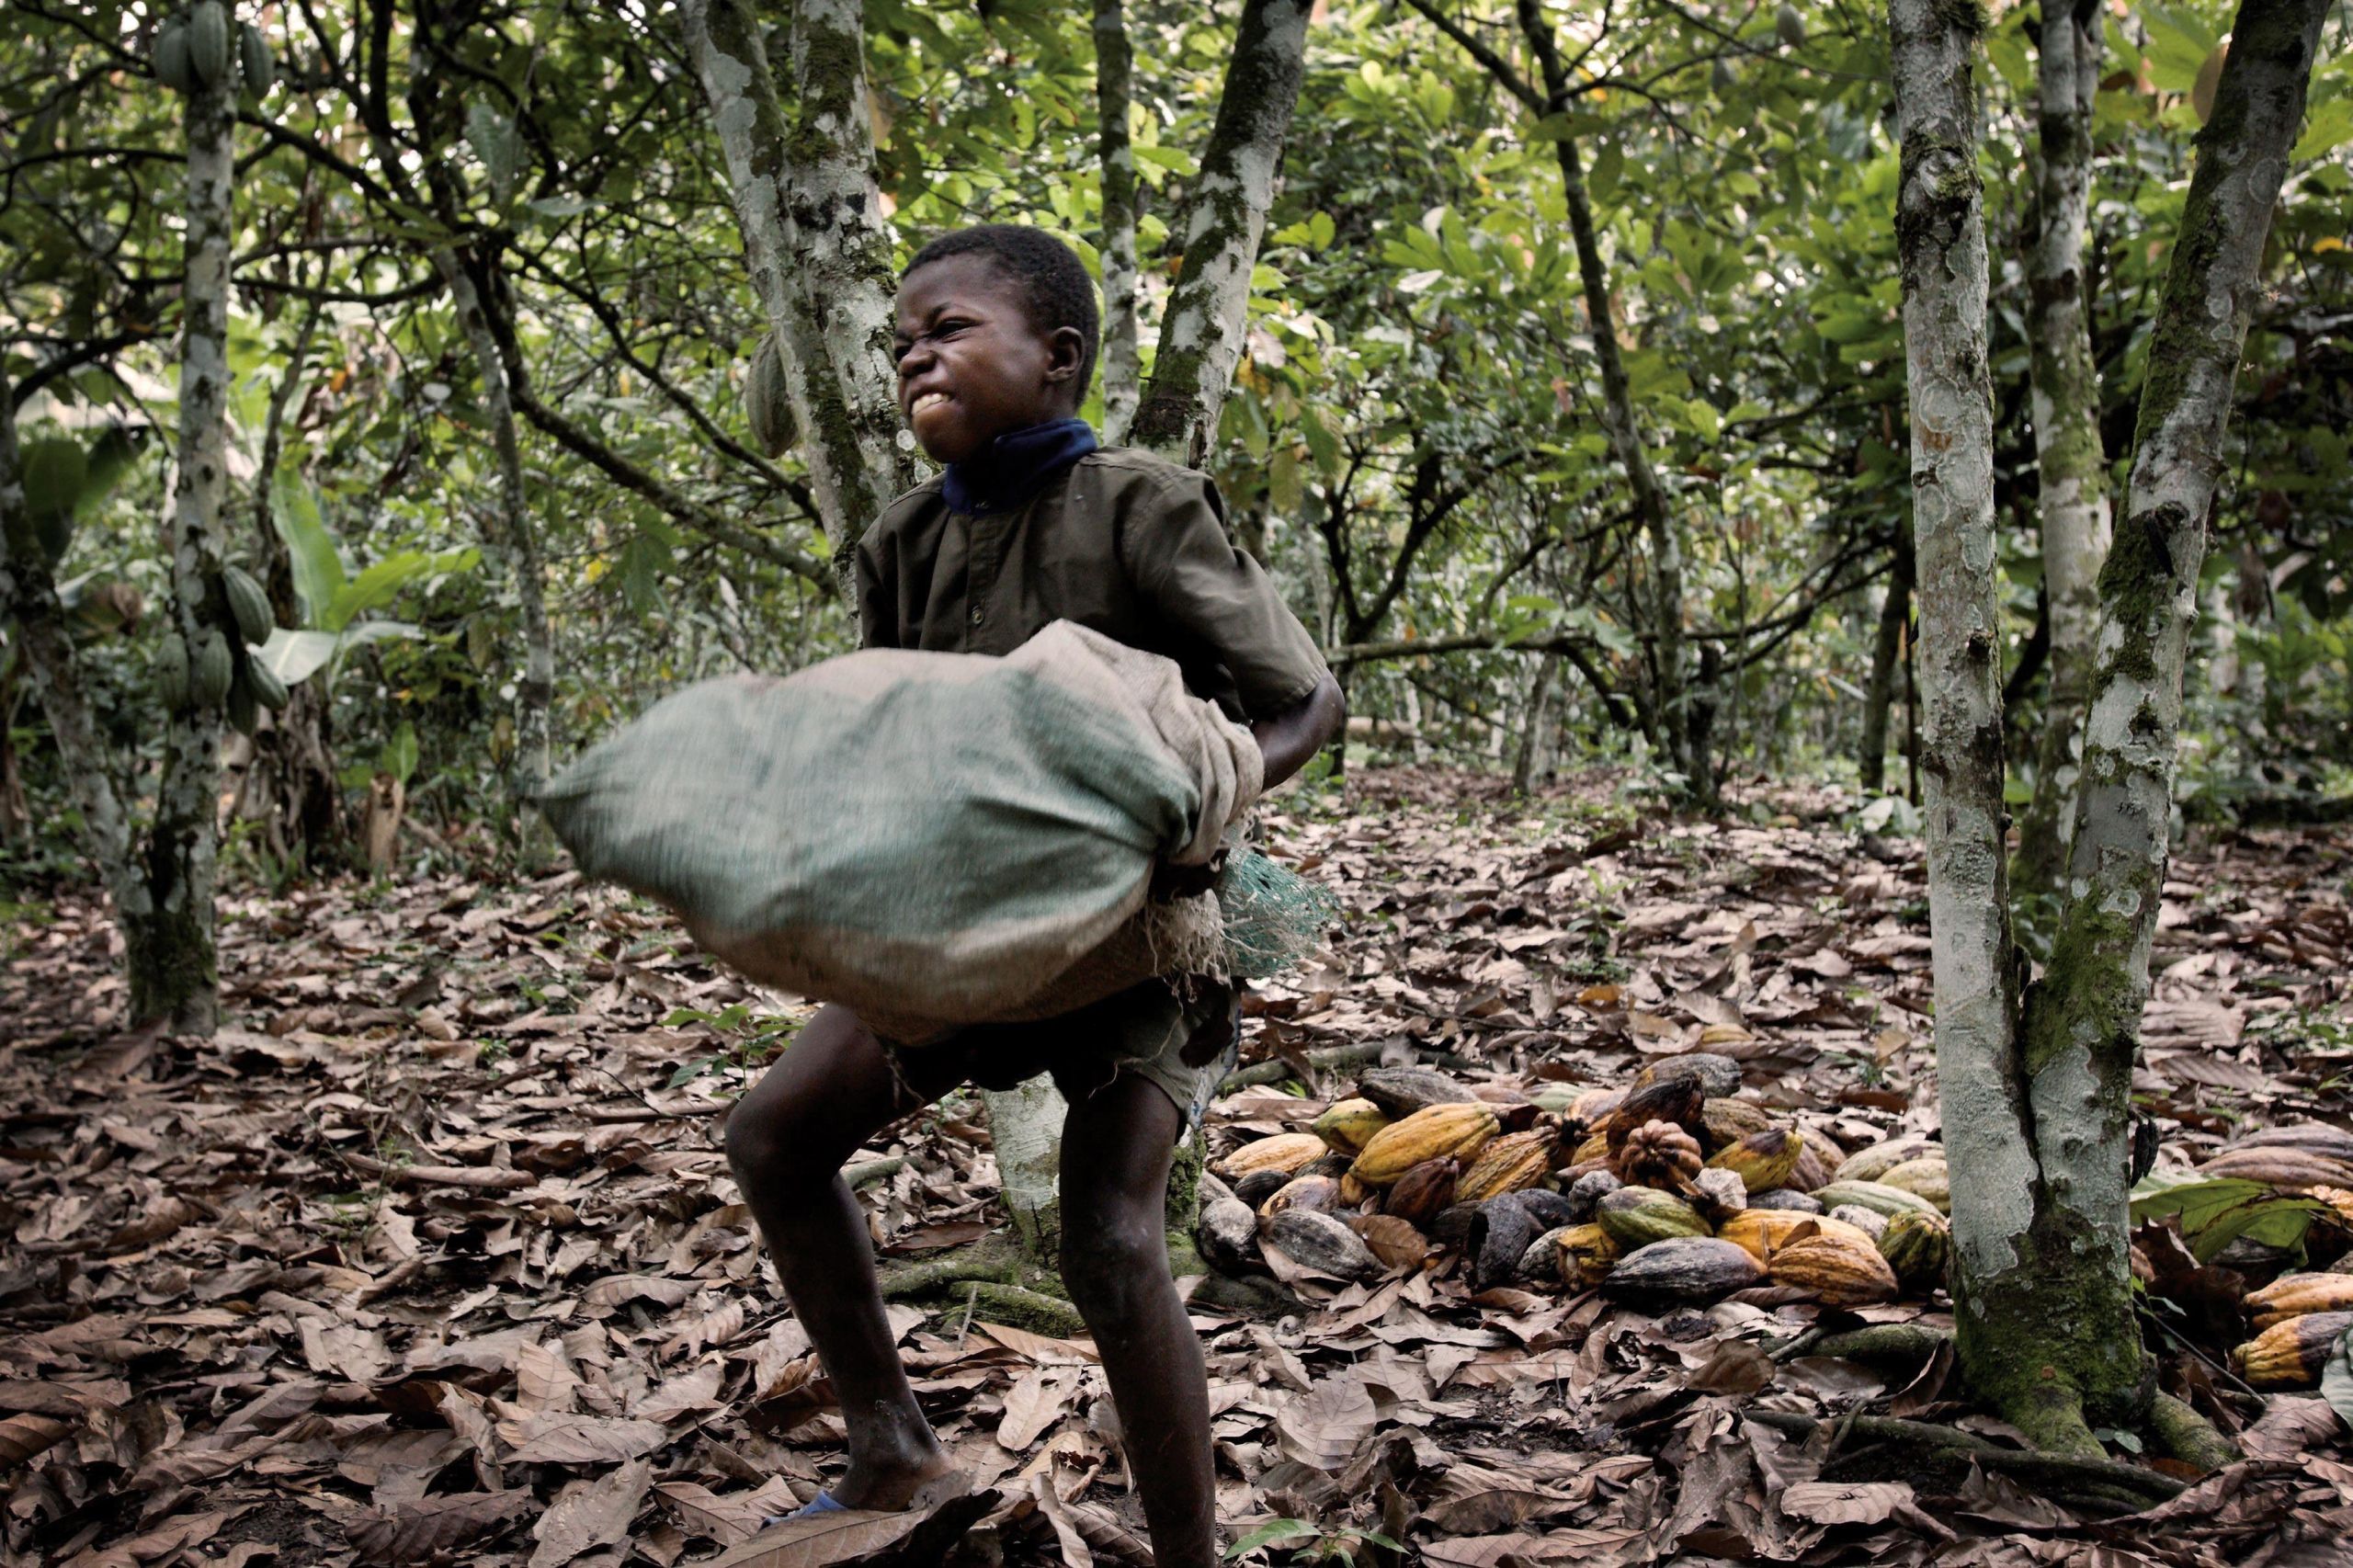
786	1142
1116	1149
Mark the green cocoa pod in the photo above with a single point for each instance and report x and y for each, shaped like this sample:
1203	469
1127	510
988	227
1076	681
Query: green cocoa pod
172	67
244	708
208	43
1724	76
1789	24
170	673
253	59
268	690
211	671
248	605
765	401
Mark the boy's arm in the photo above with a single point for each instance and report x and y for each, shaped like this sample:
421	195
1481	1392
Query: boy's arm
1288	739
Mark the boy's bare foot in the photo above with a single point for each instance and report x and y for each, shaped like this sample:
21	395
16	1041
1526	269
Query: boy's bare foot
890	1483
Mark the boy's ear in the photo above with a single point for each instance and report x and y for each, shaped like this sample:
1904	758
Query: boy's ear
1065	352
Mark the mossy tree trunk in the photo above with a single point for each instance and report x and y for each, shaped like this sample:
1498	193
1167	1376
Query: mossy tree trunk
1116	162
2037	1080
817	245
168	920
2066	400
1223	218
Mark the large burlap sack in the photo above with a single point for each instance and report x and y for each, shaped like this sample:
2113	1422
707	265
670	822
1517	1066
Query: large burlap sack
931	839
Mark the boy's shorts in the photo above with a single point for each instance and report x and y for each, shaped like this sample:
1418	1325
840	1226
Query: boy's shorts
1180	1040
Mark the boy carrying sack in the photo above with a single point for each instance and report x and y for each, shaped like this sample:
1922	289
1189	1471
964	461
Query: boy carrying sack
1033	523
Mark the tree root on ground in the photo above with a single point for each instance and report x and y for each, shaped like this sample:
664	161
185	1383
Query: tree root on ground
2060	1432
1893	1344
2183	1434
1881	1447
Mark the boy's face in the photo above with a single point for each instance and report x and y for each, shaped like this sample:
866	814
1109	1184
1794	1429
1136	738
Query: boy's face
971	365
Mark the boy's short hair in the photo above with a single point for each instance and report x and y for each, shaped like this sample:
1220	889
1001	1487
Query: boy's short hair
1055	287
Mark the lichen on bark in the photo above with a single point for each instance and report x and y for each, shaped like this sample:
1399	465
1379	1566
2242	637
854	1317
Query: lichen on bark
1224	217
2037	1093
2066	401
1116	164
168	931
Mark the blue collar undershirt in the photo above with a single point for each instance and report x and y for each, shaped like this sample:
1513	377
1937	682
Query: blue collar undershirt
1015	466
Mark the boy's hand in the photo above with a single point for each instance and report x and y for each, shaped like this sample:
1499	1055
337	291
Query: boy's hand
1171	882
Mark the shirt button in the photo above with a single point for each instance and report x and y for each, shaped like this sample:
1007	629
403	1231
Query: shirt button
979	615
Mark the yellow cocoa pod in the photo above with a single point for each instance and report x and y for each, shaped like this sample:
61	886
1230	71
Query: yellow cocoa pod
1586	1254
2295	1295
1842	1272
1761	1233
1594	1148
1763	1160
1285	1151
1350	1125
1512	1162
1434	1132
2290	1355
1917	1246
1922	1178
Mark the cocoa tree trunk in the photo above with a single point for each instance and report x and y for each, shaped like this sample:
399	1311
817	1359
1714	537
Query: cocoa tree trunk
1223	220
1534	754
167	921
2036	1080
2065	1270
818	249
2065	399
513	536
1887	659
1116	244
28	604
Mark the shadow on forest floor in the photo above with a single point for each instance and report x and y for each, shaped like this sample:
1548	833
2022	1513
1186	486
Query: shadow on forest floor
434	1254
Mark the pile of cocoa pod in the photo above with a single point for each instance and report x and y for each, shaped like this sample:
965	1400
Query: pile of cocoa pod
1671	1191
2299	1318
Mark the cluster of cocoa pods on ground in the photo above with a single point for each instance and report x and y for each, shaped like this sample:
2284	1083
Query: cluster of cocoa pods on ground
2301	1317
1670	1192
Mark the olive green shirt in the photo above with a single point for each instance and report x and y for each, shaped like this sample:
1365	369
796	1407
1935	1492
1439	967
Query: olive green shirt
1123	542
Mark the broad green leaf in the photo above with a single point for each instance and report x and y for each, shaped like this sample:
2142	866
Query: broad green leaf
294	656
399	756
381	582
318	565
2330	127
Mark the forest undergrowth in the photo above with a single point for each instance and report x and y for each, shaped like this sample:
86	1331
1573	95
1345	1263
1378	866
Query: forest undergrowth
433	1254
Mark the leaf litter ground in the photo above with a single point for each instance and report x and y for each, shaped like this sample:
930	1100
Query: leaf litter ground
435	1258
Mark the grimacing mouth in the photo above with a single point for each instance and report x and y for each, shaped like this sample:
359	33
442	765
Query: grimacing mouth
927	401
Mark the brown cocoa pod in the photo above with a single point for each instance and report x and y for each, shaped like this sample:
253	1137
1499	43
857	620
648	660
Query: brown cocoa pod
1421	1192
1260	1185
1676	1100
